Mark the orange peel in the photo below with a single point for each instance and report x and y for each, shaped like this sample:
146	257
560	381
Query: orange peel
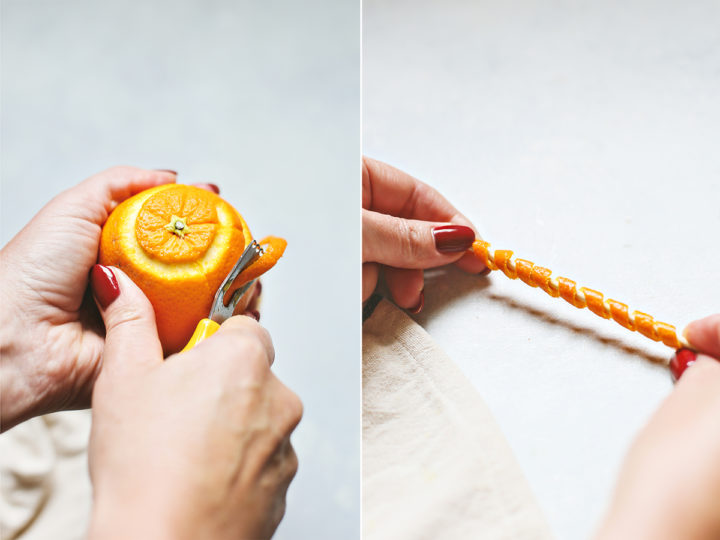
580	297
178	243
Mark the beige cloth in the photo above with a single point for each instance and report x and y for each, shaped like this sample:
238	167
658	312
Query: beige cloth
435	463
45	490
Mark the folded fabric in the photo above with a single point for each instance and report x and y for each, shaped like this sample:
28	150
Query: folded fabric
435	463
45	488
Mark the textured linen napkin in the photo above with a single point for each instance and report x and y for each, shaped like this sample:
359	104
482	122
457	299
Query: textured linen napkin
435	463
45	488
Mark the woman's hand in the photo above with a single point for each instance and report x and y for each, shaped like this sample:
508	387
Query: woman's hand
197	446
669	486
407	227
51	338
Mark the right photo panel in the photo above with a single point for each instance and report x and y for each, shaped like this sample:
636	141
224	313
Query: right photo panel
540	214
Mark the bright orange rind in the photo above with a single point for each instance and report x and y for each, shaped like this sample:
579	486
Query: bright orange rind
580	297
178	243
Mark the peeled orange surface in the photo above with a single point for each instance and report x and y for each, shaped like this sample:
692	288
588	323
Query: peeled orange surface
178	243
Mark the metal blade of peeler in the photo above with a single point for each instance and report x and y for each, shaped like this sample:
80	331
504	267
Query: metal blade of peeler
219	312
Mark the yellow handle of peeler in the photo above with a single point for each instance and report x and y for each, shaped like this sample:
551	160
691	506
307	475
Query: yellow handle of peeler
203	330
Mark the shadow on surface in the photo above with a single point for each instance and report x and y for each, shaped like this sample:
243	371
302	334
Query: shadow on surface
444	286
577	329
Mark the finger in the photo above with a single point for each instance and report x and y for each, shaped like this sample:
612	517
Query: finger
255	300
209	187
370	274
253	307
685	358
245	328
704	369
704	335
409	243
99	193
391	191
406	287
285	464
254	313
287	407
131	339
472	265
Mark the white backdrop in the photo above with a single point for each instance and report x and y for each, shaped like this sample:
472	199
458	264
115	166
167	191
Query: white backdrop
585	137
261	98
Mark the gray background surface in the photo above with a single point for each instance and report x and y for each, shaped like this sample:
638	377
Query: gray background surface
261	98
584	136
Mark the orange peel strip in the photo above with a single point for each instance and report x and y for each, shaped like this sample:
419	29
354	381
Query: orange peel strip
273	248
580	297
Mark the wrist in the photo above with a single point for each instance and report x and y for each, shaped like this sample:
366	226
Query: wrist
121	519
143	506
17	395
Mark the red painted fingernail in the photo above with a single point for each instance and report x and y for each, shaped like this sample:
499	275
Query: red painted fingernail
167	170
258	287
210	187
683	359
453	238
485	272
417	309
104	285
254	313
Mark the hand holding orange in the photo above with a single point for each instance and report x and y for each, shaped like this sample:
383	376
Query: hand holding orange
178	243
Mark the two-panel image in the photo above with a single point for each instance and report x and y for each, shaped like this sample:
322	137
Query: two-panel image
379	270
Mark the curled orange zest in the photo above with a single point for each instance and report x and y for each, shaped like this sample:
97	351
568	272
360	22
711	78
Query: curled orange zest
580	297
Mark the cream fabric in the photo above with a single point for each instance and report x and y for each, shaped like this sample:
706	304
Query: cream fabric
435	463
45	490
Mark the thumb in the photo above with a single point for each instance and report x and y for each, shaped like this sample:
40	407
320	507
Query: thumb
131	340
704	335
410	243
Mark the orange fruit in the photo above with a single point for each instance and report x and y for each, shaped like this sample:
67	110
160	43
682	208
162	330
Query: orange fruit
178	243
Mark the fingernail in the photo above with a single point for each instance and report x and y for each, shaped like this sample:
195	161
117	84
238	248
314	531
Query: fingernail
167	170
685	333
104	285
681	360
254	313
485	272
209	187
258	287
453	238
417	309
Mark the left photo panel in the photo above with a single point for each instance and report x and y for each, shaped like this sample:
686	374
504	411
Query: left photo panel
180	268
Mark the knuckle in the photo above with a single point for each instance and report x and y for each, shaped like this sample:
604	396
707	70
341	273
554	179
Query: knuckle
410	240
241	355
294	407
250	361
130	315
250	338
253	352
278	512
291	462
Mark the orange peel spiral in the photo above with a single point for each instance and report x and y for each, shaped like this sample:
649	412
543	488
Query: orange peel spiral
580	297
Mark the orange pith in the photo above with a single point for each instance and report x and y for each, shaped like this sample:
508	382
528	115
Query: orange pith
177	243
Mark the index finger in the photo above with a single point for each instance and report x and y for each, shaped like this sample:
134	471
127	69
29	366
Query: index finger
391	191
704	335
241	327
388	190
